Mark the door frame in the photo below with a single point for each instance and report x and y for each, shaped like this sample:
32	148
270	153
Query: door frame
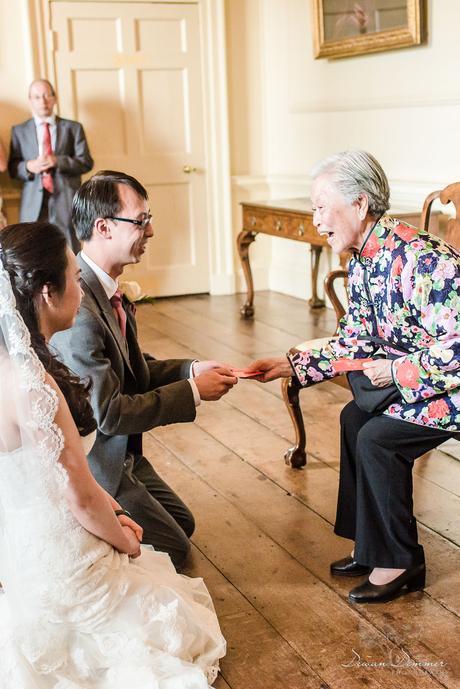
37	20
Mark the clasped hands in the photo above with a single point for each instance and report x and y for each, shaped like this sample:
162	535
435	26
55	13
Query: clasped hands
379	372
133	533
43	163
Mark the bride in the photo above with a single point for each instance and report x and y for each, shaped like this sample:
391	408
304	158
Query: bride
84	605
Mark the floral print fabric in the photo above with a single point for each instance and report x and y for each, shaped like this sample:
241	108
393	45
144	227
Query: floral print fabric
404	287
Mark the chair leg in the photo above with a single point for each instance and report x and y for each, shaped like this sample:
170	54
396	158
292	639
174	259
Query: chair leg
296	456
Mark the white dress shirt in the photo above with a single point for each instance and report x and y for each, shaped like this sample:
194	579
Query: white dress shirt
39	129
110	286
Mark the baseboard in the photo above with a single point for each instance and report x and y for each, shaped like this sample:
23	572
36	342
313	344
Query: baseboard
260	278
222	284
293	280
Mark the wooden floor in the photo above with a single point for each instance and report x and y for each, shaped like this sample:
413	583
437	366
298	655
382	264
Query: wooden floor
264	536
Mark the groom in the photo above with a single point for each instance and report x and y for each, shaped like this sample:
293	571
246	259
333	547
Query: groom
131	392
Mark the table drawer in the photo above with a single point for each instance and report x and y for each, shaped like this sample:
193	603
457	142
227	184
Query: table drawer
302	229
260	221
280	225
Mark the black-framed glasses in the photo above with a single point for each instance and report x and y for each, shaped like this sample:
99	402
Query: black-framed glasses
140	223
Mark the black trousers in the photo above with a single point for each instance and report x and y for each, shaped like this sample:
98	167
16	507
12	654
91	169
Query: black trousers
374	506
166	520
43	216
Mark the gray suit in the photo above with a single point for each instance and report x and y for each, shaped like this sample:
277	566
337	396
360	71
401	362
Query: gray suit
73	159
131	393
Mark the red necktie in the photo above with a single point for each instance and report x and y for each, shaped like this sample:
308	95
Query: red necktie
119	311
47	177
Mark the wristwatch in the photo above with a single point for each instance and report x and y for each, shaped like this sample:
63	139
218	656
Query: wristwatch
120	512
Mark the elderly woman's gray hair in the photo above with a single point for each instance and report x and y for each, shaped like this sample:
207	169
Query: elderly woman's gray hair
355	173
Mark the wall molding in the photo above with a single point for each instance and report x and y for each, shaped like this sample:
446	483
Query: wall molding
218	181
36	20
405	194
354	104
260	276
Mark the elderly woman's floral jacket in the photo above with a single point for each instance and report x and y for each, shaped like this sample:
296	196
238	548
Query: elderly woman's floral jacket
404	287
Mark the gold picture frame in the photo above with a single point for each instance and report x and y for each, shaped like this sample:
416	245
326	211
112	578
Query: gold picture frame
344	28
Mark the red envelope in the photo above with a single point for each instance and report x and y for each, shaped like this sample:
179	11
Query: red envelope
344	365
243	373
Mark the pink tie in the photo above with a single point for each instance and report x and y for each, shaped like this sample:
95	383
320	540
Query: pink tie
119	311
47	178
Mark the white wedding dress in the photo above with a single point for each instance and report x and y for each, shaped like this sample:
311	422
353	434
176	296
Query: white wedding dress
77	614
74	612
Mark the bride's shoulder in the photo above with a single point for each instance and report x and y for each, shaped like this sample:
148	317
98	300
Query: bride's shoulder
51	381
7	366
10	437
10	372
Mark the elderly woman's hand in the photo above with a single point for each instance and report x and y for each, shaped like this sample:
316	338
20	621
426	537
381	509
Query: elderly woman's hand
270	369
379	372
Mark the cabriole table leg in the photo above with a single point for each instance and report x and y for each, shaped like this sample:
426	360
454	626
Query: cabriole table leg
315	302
244	241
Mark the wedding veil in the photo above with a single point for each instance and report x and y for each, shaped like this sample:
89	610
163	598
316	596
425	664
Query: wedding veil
27	403
28	407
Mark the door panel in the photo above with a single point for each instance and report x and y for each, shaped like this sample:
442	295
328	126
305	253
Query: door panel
131	73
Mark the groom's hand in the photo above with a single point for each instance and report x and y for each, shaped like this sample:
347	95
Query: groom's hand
203	366
214	383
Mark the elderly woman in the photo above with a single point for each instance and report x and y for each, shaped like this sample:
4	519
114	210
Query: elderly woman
404	298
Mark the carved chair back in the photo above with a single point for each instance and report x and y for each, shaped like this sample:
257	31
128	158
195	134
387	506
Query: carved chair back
450	194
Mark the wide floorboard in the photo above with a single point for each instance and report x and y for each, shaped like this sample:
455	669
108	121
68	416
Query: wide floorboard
264	536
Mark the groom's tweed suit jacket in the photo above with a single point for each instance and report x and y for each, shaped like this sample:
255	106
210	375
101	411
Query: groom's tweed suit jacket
131	392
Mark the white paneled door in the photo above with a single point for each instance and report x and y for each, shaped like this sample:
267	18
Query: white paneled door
131	73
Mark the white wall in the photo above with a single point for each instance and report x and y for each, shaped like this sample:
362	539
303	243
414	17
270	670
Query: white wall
403	106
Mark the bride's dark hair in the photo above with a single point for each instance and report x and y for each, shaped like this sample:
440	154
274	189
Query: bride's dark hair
34	255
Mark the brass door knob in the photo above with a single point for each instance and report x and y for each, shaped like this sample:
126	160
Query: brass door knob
188	169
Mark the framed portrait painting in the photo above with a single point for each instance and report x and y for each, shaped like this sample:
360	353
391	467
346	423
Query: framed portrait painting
343	28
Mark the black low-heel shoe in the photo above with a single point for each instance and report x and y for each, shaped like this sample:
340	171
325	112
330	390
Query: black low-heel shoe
412	579
348	567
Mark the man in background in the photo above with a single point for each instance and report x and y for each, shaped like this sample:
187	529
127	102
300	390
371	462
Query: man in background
48	154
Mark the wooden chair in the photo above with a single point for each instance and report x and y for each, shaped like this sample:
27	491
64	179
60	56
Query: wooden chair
450	194
296	456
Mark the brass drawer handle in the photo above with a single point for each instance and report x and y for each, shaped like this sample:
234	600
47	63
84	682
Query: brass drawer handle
278	226
301	230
